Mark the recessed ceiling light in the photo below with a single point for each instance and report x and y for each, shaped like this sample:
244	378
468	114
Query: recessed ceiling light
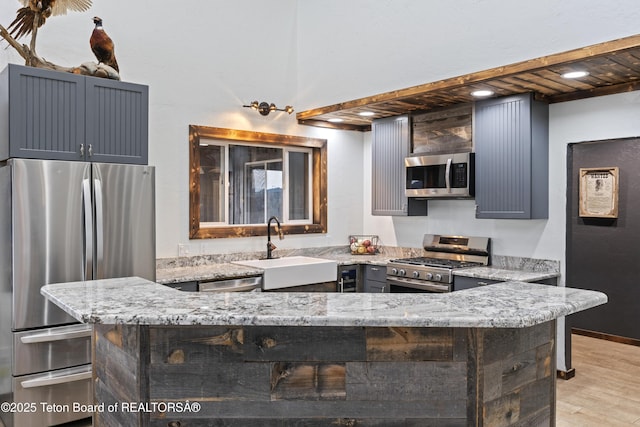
367	113
336	120
575	74
481	93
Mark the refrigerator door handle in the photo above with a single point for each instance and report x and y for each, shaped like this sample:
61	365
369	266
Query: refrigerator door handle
88	229
97	187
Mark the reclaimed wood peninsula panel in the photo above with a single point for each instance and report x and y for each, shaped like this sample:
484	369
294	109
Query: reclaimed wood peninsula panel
326	376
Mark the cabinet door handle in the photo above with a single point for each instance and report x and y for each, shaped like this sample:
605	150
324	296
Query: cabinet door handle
483	283
90	150
81	150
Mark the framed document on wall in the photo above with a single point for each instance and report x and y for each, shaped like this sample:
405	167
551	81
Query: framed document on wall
599	192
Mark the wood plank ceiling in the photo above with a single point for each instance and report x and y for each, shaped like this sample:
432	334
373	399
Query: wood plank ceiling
613	67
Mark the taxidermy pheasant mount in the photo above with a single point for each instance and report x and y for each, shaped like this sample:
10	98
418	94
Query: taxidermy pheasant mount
102	45
34	13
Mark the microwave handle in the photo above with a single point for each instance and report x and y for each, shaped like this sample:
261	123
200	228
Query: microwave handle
447	173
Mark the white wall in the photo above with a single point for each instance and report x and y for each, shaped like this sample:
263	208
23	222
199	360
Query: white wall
399	43
204	59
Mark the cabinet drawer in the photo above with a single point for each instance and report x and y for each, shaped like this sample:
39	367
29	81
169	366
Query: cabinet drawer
52	348
376	273
461	282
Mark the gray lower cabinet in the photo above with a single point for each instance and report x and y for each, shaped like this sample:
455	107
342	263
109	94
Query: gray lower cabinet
47	114
461	282
314	287
511	138
191	286
375	279
390	144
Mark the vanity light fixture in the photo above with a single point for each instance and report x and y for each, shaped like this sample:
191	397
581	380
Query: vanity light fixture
482	93
575	74
264	108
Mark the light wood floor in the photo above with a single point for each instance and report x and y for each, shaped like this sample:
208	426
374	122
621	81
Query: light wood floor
606	389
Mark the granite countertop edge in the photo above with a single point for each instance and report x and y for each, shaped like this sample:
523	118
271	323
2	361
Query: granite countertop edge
138	301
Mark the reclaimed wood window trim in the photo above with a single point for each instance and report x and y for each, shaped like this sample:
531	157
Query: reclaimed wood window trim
319	184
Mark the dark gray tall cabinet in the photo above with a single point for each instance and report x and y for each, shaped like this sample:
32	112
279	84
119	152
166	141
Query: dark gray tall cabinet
54	115
511	139
390	144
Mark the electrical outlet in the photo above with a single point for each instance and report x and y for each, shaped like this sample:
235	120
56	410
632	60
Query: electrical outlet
183	250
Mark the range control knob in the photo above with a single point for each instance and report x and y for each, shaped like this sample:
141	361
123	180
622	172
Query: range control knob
402	272
438	277
416	274
429	276
394	271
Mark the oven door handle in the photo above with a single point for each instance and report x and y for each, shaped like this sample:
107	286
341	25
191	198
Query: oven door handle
447	172
426	286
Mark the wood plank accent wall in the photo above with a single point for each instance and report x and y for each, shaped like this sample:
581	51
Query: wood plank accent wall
321	376
120	365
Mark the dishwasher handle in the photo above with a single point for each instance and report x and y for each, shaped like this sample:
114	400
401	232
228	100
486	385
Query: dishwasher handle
245	284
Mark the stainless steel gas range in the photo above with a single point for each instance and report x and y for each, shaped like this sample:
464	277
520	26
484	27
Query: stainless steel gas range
433	272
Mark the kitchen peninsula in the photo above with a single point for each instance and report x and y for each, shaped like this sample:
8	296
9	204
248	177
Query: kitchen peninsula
484	356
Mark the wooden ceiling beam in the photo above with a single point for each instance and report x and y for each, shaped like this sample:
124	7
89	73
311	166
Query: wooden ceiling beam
497	76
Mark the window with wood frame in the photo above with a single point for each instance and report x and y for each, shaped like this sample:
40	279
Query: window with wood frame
238	179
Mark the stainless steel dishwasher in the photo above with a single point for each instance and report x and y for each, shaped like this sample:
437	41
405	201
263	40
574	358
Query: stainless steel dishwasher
245	284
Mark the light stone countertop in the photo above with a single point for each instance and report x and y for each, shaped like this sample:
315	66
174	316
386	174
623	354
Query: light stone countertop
506	268
219	267
502	274
138	301
201	269
205	272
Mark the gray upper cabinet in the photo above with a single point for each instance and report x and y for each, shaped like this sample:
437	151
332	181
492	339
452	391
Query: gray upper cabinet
390	144
62	116
511	138
117	121
44	112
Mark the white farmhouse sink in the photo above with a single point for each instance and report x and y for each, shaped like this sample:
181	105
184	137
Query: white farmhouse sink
293	271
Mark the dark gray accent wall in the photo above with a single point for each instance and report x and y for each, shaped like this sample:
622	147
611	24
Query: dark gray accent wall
603	254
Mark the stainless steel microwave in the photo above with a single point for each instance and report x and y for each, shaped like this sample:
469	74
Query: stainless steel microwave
440	176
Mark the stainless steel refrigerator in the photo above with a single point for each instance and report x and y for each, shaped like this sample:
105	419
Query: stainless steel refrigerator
62	222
